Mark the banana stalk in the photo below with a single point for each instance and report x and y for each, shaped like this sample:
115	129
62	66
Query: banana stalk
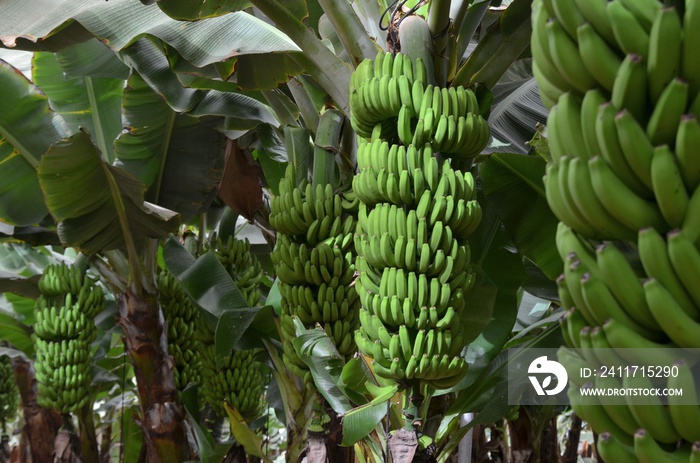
146	345
326	147
350	30
440	28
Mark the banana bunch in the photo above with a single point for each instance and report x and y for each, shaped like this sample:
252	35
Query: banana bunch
622	82
63	333
391	94
181	318
228	382
313	259
243	267
415	215
9	397
240	383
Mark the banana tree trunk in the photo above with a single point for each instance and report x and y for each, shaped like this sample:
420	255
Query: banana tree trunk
336	452
41	424
146	343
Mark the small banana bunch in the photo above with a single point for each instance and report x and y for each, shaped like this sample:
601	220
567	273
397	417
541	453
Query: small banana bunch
393	92
622	82
644	449
63	333
240	383
245	270
313	261
9	397
60	280
415	215
238	379
181	317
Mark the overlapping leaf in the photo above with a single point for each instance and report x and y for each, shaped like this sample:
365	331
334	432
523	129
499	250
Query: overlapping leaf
27	128
93	103
120	22
98	206
153	66
179	157
513	183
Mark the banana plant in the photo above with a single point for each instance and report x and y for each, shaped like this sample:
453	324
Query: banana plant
111	191
197	82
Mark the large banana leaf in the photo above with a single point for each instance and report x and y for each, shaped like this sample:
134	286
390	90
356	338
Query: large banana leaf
27	128
178	9
179	157
504	270
97	206
93	103
91	58
501	44
513	182
307	11
153	66
120	22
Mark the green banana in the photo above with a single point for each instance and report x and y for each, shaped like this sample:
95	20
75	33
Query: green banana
589	205
685	261
636	147
653	253
556	202
686	143
649	411
665	44
668	186
567	59
568	241
631	36
620	201
574	270
679	326
690	67
569	123
592	101
622	338
540	50
619	414
612	450
644	10
615	270
601	61
595	13
685	413
588	408
666	117
691	224
631	81
564	181
648	450
554	135
611	150
603	305
568	15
